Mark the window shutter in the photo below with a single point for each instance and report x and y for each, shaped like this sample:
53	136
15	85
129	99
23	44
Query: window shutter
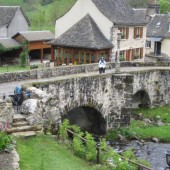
127	32
133	54
141	53
127	55
141	32
134	32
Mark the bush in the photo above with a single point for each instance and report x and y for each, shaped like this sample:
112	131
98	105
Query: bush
5	140
23	59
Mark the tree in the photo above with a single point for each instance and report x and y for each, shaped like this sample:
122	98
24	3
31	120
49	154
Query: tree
165	6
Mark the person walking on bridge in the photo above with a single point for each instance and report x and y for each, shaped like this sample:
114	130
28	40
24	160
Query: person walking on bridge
102	65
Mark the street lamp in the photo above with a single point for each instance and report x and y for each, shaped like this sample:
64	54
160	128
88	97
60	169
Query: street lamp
168	160
118	52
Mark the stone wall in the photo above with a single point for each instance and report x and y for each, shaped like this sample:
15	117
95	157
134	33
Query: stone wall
66	70
109	94
156	84
6	113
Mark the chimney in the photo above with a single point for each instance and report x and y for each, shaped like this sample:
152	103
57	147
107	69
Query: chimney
153	7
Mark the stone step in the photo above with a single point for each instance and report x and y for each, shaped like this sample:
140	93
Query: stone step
24	134
20	123
23	129
18	118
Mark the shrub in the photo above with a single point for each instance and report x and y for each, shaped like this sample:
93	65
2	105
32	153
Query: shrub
5	140
90	147
78	147
23	59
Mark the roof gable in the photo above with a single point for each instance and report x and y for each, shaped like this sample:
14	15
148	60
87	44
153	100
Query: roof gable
7	13
119	12
84	34
159	26
31	36
9	43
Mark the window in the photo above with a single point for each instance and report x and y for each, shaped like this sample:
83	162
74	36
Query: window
125	32
138	32
137	53
122	56
148	44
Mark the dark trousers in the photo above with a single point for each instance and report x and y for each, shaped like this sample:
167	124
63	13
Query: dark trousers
101	70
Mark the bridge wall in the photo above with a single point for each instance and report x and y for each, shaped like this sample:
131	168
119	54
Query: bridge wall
66	70
110	94
156	84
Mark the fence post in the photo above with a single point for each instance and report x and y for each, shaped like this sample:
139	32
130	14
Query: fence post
98	153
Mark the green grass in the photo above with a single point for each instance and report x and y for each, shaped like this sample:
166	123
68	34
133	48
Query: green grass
162	132
12	2
147	131
163	112
13	69
43	153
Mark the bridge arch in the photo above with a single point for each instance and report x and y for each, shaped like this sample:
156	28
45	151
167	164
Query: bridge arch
141	99
87	115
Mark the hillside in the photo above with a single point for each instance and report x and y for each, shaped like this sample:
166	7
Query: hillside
42	13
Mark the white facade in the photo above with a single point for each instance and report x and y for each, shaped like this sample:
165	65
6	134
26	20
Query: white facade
3	31
166	46
18	23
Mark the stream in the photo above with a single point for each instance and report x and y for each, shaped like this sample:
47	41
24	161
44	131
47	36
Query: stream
154	153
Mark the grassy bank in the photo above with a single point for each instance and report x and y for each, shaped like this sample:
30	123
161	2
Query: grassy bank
4	69
148	130
43	152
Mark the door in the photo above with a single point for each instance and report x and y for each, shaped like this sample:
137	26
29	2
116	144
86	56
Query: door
157	49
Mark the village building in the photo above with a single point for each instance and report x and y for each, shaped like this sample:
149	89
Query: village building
90	29
158	32
158	35
14	35
12	20
36	43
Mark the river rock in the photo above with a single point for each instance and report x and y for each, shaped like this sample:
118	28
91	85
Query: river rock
155	140
146	120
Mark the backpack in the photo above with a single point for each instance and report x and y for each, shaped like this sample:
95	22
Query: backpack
18	90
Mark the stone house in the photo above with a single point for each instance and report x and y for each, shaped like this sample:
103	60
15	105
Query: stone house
12	20
89	30
158	35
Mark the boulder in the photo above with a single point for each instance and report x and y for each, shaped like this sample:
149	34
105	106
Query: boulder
146	120
155	140
29	106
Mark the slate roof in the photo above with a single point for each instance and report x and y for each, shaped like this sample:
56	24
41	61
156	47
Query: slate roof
31	36
7	13
119	12
9	43
84	34
159	26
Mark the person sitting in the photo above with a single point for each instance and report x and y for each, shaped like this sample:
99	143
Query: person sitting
102	65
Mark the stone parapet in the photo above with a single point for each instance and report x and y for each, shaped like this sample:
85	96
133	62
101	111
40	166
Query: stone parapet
67	70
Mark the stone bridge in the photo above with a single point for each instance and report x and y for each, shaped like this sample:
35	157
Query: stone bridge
100	102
